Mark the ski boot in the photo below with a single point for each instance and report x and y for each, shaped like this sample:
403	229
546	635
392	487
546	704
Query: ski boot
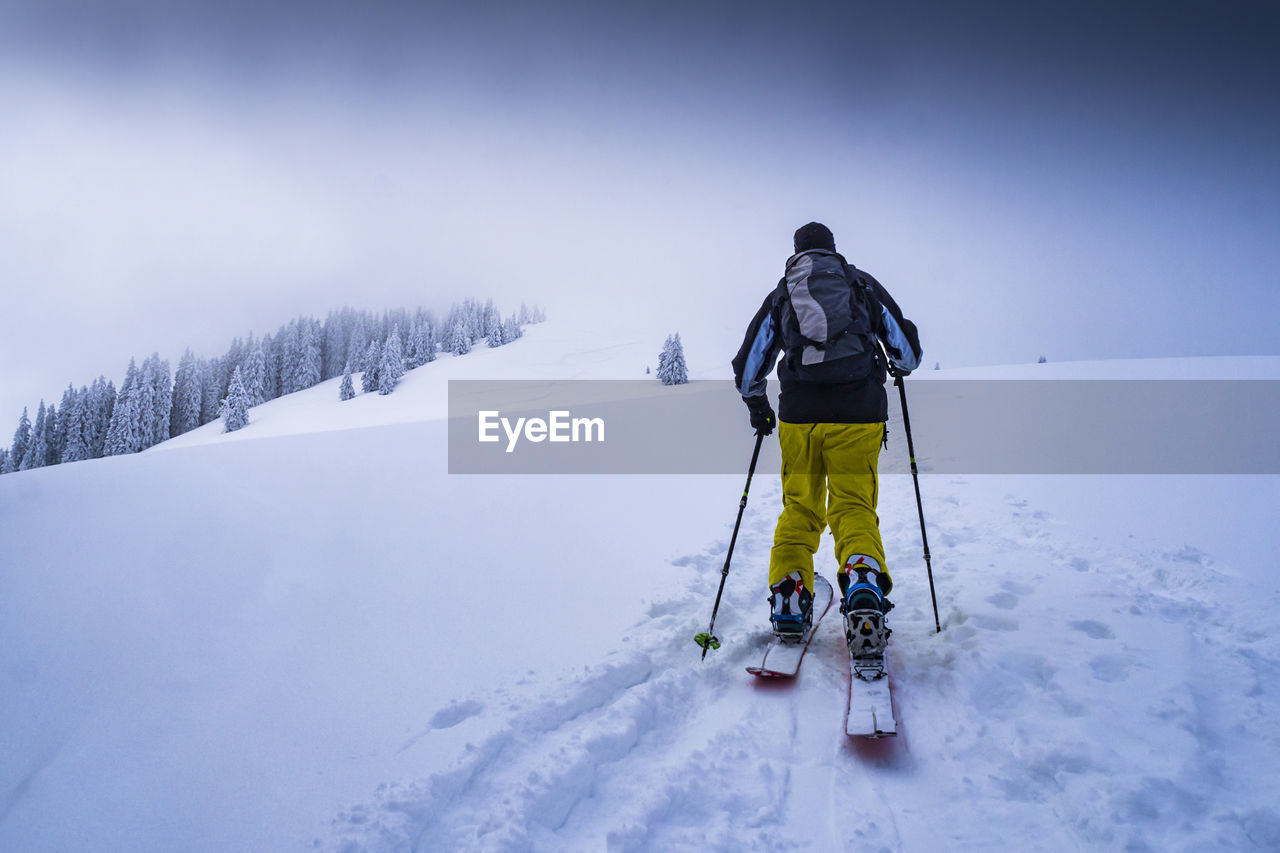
790	604
863	587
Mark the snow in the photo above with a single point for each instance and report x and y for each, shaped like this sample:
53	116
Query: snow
307	635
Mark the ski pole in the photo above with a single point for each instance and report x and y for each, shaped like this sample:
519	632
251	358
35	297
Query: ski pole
709	640
915	476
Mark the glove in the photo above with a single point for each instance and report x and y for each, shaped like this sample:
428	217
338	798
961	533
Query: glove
762	417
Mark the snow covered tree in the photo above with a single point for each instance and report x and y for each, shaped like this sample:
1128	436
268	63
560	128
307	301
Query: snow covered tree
372	363
392	366
5	467
1042	360
184	414
495	338
160	401
102	406
76	429
335	344
460	340
308	363
124	435
346	390
290	354
235	407
511	330
490	321
937	365
271	358
255	376
671	366
145	390
59	446
430	344
38	447
21	439
209	391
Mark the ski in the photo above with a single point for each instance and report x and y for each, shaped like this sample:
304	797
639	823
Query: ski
782	657
870	705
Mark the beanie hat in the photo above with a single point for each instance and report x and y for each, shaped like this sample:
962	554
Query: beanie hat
815	235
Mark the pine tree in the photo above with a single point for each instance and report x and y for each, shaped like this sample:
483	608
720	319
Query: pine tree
158	401
392	366
372	363
5	467
490	321
184	414
671	366
146	393
255	376
511	329
290	356
59	447
209	391
38	449
461	341
51	454
308	363
429	343
124	435
77	428
102	406
495	337
346	390
335	340
21	440
235	408
271	357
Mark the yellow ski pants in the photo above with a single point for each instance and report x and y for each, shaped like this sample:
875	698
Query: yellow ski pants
828	477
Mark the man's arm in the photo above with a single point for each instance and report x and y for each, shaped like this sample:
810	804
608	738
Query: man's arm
759	351
899	335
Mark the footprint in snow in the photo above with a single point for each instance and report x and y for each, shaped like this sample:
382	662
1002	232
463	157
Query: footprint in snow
1094	629
1003	600
1110	668
455	714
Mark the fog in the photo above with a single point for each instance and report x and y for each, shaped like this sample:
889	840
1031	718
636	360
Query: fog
1079	183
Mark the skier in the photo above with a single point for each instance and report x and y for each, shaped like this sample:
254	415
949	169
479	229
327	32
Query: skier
828	319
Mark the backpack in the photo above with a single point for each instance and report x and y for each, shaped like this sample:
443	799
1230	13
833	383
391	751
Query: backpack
827	315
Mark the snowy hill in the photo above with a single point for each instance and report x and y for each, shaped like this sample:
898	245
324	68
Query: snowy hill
308	635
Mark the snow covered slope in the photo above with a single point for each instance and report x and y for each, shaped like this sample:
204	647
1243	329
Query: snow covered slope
319	639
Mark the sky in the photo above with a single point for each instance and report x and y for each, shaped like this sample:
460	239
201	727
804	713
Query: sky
1079	181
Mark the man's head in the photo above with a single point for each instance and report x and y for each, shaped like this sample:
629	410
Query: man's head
815	235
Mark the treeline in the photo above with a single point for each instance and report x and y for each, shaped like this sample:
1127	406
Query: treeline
153	405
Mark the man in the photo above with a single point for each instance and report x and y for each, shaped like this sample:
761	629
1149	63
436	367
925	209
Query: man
829	320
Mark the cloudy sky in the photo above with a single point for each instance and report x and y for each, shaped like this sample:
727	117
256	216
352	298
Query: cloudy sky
1079	180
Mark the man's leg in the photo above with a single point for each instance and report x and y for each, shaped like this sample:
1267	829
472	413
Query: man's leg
803	518
852	453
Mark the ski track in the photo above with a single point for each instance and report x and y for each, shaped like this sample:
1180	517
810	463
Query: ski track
1014	711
